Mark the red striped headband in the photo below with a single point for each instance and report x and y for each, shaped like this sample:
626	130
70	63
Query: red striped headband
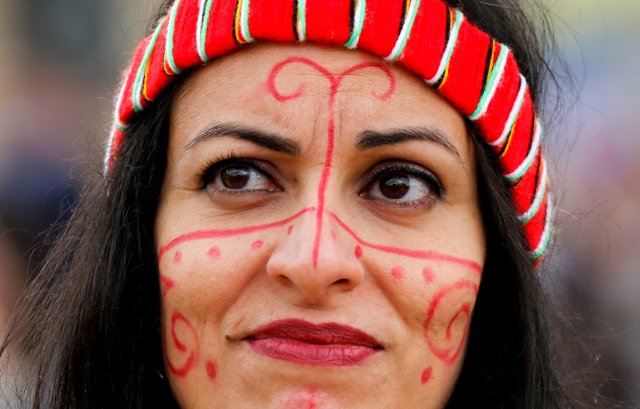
474	72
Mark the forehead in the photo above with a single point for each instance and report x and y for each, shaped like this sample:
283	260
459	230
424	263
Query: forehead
240	86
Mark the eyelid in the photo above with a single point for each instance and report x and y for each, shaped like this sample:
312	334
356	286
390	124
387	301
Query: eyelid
390	166
207	176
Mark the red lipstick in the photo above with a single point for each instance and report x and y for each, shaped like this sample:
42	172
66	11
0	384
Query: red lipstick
302	342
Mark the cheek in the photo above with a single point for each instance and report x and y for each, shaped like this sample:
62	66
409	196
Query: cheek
199	279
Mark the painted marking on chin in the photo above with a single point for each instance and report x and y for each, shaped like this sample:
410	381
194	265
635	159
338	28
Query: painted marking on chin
257	244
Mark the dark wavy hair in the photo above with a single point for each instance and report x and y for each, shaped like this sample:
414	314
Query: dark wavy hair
90	324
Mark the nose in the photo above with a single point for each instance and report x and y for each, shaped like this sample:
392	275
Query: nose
315	268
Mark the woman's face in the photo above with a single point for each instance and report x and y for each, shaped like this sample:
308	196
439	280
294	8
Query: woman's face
319	238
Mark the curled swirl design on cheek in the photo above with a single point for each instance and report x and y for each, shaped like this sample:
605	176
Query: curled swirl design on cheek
184	343
335	80
442	330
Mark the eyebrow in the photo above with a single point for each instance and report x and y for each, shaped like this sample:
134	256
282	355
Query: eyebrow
265	139
373	139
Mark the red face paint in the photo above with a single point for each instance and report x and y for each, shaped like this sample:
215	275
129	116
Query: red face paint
181	369
177	258
166	284
335	80
427	273
210	234
397	273
257	244
447	347
212	371
358	252
289	230
214	253
427	375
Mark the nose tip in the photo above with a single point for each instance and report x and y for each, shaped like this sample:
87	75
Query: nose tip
315	266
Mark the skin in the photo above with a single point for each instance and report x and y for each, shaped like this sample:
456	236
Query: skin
316	237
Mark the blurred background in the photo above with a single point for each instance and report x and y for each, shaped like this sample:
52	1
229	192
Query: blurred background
61	60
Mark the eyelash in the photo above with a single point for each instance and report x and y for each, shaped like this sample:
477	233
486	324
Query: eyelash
386	168
208	174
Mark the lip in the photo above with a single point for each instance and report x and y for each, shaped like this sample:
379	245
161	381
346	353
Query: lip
302	342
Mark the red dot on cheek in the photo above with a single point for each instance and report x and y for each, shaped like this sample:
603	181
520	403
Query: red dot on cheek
397	273
427	375
177	257
214	253
358	252
257	244
289	230
428	275
212	371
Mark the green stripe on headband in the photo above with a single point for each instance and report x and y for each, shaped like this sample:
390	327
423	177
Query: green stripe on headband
203	27
531	155
142	70
539	197
244	21
301	21
405	32
546	234
492	84
170	33
358	23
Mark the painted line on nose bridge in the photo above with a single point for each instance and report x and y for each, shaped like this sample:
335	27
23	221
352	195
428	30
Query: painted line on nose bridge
215	233
417	254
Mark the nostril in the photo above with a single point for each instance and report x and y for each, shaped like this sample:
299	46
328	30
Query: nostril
342	281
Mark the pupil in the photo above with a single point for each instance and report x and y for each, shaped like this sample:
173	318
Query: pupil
235	178
395	186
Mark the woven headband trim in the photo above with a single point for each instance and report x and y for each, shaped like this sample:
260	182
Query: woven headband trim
474	72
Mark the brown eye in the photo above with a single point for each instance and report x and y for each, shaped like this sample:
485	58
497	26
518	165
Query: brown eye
402	184
394	186
238	175
235	177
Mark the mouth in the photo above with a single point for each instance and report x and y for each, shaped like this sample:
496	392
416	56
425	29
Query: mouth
302	342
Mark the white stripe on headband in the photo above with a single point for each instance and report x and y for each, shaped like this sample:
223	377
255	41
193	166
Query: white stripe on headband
170	37
515	110
492	84
401	42
448	51
541	189
528	160
358	23
301	20
546	234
